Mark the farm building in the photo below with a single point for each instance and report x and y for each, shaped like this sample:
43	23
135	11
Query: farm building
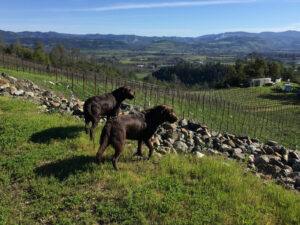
260	82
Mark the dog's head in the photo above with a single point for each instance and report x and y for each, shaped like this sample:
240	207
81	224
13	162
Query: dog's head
167	113
127	92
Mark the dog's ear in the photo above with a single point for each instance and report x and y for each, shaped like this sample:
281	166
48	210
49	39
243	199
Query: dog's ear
125	89
165	111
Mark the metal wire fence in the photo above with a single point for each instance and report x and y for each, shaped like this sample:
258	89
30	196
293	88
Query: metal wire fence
257	112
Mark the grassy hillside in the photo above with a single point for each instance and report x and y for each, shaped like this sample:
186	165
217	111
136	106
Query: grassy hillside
259	112
48	176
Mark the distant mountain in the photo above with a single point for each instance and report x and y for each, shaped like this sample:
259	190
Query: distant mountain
231	42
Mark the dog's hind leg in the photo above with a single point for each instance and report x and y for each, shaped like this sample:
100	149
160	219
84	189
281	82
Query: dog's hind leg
150	146
104	142
139	149
118	150
86	127
118	142
94	125
100	152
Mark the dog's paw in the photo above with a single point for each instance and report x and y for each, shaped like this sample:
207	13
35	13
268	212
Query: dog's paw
137	154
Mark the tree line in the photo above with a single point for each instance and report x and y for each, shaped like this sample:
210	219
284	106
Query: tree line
219	75
61	57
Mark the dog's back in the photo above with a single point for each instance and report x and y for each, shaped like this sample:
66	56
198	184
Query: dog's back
132	125
99	105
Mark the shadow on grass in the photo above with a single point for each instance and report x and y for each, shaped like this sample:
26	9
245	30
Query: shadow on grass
286	98
62	169
58	133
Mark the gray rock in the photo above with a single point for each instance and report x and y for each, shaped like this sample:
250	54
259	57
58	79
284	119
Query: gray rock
29	93
78	112
170	134
214	133
167	143
3	84
63	106
180	146
295	154
271	143
199	154
285	158
163	150
54	104
226	148
296	167
286	171
19	93
230	143
212	152
47	93
254	148
269	149
261	160
251	165
270	169
183	122
190	142
251	159
243	136
276	162
170	140
5	94
197	148
169	126
208	142
198	140
295	174
237	154
297	183
193	125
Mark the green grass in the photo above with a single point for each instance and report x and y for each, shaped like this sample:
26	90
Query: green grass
141	75
48	176
259	112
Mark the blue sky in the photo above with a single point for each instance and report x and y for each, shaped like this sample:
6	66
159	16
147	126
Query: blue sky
150	17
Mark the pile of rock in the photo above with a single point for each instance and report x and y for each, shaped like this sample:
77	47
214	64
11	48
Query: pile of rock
266	160
13	87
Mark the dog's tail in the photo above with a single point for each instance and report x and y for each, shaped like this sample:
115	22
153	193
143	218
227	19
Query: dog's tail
104	141
105	134
87	109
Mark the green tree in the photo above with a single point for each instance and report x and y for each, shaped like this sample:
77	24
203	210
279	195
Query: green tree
39	54
18	48
58	55
2	46
275	69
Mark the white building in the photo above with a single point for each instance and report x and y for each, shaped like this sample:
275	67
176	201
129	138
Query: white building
260	82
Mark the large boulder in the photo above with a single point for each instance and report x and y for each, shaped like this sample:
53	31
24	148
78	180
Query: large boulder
180	146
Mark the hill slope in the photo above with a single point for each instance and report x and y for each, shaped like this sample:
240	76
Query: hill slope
48	175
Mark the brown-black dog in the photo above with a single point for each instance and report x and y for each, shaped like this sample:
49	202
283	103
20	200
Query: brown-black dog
104	105
138	126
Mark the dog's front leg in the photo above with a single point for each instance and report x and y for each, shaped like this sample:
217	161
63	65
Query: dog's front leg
150	146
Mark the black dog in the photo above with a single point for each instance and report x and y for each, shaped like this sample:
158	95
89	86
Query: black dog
104	105
138	126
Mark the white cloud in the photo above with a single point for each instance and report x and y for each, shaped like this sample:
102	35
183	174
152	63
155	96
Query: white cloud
159	5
